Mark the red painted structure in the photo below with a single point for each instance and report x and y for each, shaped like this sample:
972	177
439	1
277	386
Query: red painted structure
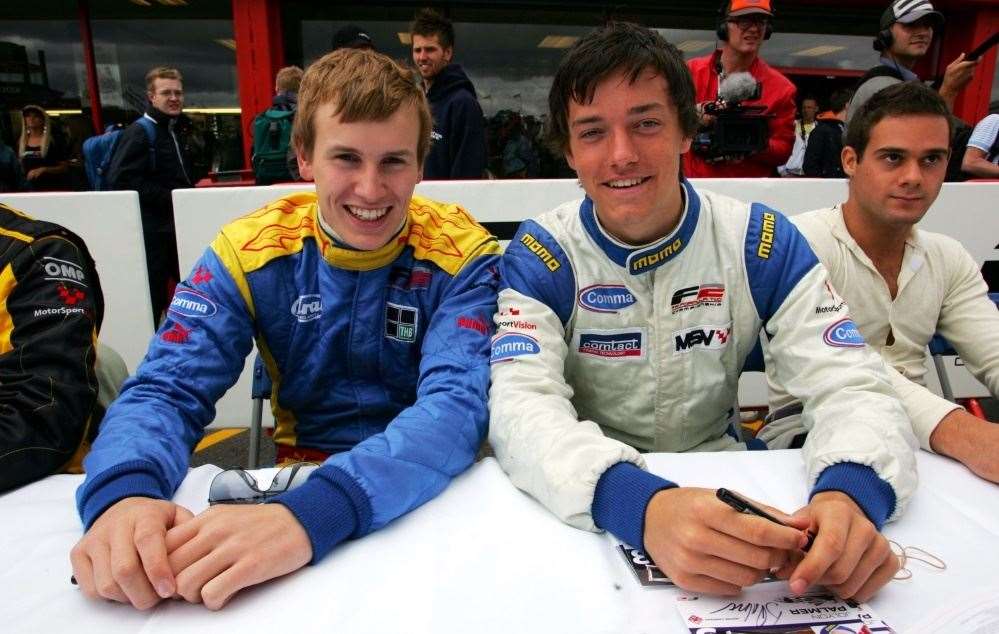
259	56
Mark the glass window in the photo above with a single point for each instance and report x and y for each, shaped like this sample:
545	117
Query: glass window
203	50
41	63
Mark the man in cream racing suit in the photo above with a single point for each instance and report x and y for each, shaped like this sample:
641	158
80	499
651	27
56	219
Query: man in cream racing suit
624	321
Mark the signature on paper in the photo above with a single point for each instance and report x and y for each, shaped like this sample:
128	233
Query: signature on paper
762	612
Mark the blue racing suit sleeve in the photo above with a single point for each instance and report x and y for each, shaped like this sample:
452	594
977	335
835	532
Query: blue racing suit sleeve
148	433
428	443
536	266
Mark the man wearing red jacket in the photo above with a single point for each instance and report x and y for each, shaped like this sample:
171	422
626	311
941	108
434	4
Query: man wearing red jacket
745	25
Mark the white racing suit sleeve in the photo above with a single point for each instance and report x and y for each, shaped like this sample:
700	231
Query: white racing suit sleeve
850	408
533	428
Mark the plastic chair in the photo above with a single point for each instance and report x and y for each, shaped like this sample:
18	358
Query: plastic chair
939	348
260	392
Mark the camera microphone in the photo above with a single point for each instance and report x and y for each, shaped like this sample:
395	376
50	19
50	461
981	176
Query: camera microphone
738	87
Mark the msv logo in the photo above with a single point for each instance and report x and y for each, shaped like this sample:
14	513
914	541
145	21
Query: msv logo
605	298
307	308
191	304
511	345
843	334
611	345
707	337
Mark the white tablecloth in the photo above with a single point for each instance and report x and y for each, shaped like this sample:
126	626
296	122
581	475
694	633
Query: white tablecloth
482	557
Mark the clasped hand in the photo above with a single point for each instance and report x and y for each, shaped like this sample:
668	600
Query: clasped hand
703	545
141	551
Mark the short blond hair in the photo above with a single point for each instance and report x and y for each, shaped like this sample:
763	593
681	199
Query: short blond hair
363	86
288	79
161	72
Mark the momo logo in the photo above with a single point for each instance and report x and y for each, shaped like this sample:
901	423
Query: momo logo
611	345
511	345
538	249
605	298
706	337
63	271
694	296
307	308
191	304
843	334
766	236
642	261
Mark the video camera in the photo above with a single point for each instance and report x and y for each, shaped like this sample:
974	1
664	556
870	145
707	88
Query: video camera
738	130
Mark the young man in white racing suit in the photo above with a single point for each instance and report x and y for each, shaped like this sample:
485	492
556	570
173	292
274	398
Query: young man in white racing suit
625	319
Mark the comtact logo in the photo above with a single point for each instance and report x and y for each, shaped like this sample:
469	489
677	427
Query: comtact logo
511	345
191	304
619	345
605	298
843	334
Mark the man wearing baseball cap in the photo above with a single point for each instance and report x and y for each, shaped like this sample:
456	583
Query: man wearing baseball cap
744	26
904	36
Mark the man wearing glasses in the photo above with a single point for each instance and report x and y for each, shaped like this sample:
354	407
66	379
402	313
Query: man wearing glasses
371	308
151	159
744	26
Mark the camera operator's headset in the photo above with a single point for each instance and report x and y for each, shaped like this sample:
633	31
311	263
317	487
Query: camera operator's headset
884	39
722	31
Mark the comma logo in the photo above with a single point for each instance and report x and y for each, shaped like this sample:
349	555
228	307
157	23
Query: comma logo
192	304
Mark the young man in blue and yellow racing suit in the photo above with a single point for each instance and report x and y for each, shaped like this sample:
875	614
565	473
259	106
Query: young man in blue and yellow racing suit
625	319
371	309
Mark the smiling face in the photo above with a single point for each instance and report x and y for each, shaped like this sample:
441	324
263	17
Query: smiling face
625	146
365	173
429	56
901	171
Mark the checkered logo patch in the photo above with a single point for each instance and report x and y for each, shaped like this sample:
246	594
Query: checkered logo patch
401	322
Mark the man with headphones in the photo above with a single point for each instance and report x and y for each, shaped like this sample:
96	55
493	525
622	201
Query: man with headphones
743	27
905	34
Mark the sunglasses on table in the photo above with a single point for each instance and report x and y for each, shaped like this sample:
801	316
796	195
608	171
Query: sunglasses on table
238	486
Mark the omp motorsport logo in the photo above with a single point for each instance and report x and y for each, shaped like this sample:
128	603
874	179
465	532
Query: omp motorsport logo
605	298
766	235
641	261
62	310
192	304
706	337
538	249
843	334
63	271
694	296
511	345
307	308
611	345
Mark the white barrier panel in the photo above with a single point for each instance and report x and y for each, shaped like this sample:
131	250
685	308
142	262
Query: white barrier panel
110	224
965	211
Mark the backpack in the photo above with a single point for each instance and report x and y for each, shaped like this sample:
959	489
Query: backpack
271	142
98	151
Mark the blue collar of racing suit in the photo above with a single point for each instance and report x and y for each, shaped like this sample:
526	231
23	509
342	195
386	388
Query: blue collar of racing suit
648	257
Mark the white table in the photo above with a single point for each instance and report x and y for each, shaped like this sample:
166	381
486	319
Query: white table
482	557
